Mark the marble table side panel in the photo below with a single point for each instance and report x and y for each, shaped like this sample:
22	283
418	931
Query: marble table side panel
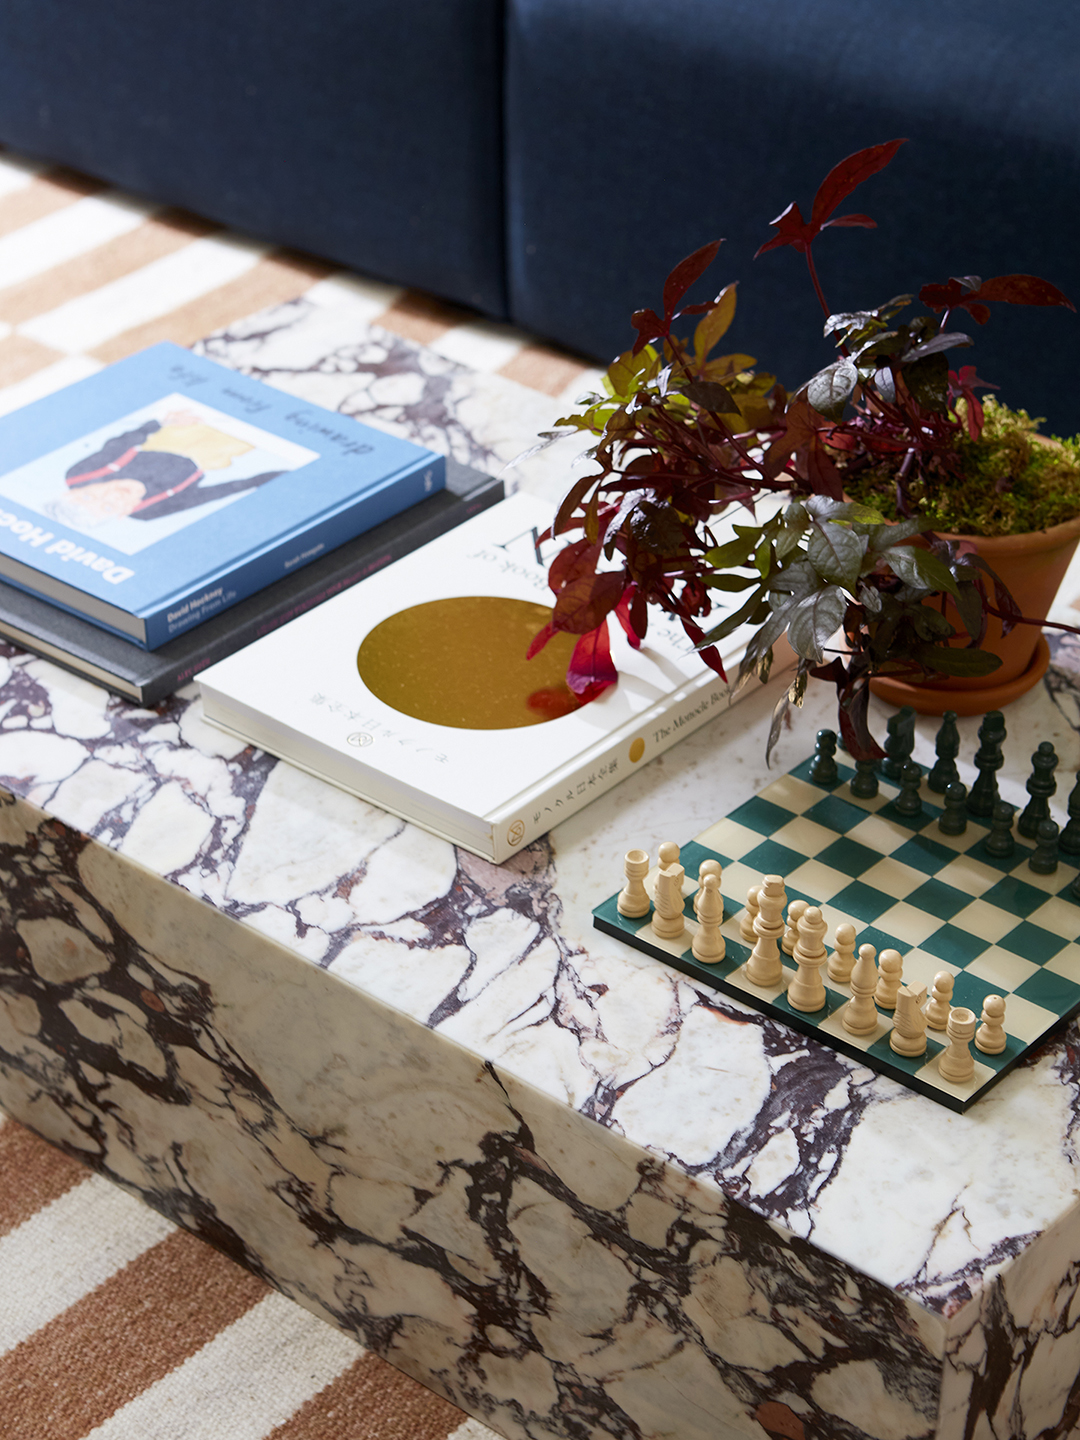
540	1271
1012	1355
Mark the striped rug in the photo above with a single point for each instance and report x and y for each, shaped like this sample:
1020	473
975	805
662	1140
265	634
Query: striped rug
118	1325
114	1323
88	275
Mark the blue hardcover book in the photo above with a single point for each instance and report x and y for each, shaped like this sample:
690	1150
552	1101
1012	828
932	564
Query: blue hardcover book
166	488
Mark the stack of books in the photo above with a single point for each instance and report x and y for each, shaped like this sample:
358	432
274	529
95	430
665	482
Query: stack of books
167	511
168	519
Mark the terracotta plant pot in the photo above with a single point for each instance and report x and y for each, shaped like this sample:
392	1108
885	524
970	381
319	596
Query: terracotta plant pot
1032	566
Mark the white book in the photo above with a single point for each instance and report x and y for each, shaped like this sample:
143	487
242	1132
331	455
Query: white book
357	691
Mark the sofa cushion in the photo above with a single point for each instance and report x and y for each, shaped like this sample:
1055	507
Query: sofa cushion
637	131
363	132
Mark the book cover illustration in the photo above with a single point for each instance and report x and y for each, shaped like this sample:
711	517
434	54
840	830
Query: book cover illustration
413	690
166	488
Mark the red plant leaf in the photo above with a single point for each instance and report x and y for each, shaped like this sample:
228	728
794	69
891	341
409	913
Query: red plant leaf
623	615
649	327
863	221
575	560
791	229
842	179
1022	290
684	275
587	601
591	669
539	640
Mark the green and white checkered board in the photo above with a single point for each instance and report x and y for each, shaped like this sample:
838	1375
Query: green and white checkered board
939	899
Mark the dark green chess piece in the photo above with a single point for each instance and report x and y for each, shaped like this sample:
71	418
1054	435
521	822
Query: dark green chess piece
1069	839
988	761
1000	842
864	783
823	769
899	742
909	801
953	819
1040	786
947	746
1044	859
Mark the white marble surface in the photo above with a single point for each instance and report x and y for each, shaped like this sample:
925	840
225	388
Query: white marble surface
950	1224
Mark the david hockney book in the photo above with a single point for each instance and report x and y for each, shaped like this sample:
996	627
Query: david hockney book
412	691
147	676
164	489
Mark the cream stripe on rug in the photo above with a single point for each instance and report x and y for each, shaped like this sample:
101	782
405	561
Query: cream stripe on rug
116	1325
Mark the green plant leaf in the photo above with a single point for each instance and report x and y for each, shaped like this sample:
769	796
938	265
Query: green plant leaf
959	662
815	620
732	622
828	391
822	508
711	396
920	568
734	552
836	553
928	381
731	582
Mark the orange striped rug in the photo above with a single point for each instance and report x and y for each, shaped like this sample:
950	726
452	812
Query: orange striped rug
118	1325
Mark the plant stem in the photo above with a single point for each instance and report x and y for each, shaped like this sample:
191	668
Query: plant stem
816	282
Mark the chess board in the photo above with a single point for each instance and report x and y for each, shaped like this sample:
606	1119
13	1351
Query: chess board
940	900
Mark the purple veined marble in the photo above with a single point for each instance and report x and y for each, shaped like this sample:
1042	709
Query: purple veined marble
573	1191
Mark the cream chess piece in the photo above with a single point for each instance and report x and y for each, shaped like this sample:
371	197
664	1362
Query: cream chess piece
908	1035
709	867
806	992
765	967
937	1012
842	959
956	1062
669	918
890	978
633	898
990	1037
859	1016
709	945
747	933
795	910
667	854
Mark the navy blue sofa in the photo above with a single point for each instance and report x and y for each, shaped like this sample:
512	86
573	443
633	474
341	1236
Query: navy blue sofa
547	161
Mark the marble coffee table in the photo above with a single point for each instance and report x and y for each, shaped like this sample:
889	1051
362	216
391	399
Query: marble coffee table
574	1191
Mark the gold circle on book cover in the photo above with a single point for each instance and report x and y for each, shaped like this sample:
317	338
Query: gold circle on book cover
461	662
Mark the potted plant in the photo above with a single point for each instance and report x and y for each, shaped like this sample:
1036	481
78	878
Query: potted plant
868	466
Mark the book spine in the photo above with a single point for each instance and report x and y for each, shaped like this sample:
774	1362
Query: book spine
655	733
185	611
253	629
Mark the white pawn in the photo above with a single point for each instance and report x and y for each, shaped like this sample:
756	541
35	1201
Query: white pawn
937	1012
806	991
633	897
667	854
709	945
842	959
747	932
765	967
956	1063
860	1016
795	911
908	1035
990	1037
709	867
668	917
890	978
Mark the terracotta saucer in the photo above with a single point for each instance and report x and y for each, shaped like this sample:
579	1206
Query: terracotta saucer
930	700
